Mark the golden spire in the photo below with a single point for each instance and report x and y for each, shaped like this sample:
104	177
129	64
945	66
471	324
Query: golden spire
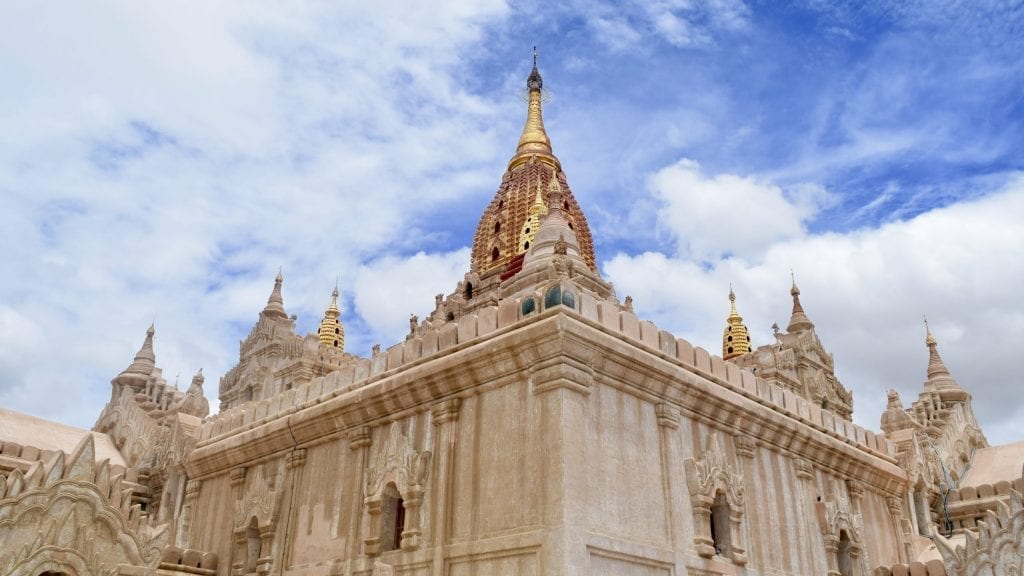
534	140
799	321
736	337
275	304
332	332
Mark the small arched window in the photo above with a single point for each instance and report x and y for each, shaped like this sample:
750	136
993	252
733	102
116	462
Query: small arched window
495	254
529	306
469	291
497	227
720	525
393	520
844	559
252	547
568	299
553	297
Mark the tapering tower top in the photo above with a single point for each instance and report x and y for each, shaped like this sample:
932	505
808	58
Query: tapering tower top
736	337
138	372
275	304
513	216
534	141
799	321
939	377
332	331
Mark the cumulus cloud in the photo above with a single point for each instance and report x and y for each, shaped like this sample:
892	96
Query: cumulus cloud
724	215
866	291
389	289
170	159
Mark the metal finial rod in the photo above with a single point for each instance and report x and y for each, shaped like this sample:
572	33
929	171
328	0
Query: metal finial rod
534	56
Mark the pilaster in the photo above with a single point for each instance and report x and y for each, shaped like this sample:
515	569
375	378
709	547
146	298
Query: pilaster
445	416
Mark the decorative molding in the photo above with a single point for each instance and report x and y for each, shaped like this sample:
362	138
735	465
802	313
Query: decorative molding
237	476
745	445
668	415
804	469
446	411
360	438
296	458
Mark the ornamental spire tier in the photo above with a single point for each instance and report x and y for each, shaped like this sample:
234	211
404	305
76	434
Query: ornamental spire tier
275	303
331	331
939	378
512	218
736	337
138	372
799	321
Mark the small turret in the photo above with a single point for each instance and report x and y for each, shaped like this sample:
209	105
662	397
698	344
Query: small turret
939	378
331	331
138	372
799	321
275	304
736	337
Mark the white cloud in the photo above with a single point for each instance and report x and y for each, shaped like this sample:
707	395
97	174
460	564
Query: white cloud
168	158
867	291
389	289
730	215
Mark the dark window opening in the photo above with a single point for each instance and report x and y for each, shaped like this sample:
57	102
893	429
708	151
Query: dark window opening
720	525
497	227
568	299
450	317
844	559
526	246
252	547
393	521
570	226
527	231
528	306
730	349
553	297
730	338
495	254
469	290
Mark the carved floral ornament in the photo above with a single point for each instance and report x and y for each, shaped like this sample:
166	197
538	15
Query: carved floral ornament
706	479
259	497
400	465
78	494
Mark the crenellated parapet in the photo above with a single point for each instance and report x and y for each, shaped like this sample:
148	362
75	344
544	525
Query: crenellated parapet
435	341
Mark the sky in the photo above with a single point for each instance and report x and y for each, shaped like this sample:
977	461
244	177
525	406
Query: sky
160	162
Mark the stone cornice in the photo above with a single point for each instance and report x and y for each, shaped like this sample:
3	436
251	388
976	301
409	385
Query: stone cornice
710	391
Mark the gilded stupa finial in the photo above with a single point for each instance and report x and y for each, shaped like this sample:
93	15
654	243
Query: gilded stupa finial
736	337
534	140
331	331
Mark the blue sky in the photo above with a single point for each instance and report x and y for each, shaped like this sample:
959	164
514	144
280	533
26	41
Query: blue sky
160	162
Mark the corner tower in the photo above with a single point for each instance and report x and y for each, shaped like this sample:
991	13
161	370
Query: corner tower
508	224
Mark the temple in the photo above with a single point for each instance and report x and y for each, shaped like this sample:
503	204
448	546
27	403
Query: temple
530	424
